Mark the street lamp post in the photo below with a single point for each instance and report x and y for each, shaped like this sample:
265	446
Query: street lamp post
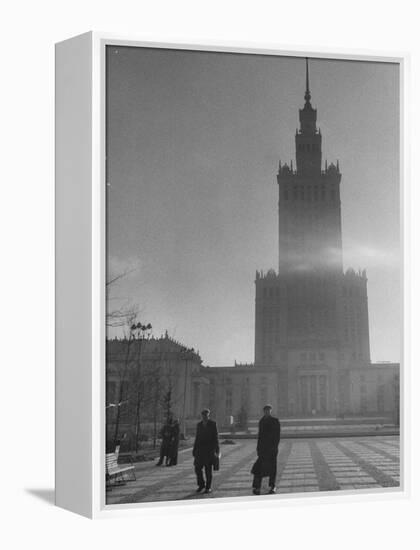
141	333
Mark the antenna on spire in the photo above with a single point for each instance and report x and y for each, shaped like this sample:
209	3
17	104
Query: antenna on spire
307	92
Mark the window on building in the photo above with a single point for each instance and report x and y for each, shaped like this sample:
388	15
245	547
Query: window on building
321	356
212	393
264	394
285	195
303	356
381	398
332	194
323	393
312	356
228	401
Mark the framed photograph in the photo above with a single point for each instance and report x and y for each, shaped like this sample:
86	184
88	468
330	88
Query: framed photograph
229	275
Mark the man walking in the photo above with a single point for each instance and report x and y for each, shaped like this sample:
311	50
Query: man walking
205	451
267	449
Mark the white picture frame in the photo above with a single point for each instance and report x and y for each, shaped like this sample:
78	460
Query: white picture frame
80	270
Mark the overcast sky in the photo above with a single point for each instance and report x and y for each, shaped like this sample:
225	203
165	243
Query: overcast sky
194	141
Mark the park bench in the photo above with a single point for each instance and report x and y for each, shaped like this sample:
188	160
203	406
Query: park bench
116	471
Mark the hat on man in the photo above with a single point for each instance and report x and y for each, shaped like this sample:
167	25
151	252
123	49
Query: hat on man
205	411
268	406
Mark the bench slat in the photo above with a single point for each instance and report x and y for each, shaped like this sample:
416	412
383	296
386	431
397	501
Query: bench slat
112	466
112	472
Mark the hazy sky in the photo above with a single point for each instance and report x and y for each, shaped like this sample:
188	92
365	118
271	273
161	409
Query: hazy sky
194	141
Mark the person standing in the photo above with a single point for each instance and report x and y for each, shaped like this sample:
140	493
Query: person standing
174	443
267	450
205	451
165	434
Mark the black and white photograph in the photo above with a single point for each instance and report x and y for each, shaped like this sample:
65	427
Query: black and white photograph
253	275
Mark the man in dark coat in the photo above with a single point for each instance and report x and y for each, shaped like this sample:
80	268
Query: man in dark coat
174	443
267	449
165	434
205	451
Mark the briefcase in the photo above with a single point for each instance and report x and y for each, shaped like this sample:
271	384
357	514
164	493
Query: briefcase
216	462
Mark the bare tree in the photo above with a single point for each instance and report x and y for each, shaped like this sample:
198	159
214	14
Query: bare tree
167	404
155	386
123	370
117	317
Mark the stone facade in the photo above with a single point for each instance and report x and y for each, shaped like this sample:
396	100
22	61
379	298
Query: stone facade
144	376
305	391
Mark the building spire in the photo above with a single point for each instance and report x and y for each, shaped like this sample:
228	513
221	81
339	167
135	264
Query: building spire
307	92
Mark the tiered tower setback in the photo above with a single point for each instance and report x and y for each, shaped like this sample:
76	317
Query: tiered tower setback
311	319
309	203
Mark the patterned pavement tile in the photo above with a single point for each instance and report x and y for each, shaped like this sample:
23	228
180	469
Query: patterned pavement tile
303	466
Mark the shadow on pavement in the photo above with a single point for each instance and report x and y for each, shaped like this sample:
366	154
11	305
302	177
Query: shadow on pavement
195	495
47	495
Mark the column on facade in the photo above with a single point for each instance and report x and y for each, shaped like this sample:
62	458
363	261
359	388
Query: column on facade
313	393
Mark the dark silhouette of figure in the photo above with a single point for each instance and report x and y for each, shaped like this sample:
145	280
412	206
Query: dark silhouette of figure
174	443
267	450
165	434
205	451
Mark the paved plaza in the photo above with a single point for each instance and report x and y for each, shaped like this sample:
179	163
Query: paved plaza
304	465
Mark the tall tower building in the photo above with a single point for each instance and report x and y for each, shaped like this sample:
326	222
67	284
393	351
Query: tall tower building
309	203
311	319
